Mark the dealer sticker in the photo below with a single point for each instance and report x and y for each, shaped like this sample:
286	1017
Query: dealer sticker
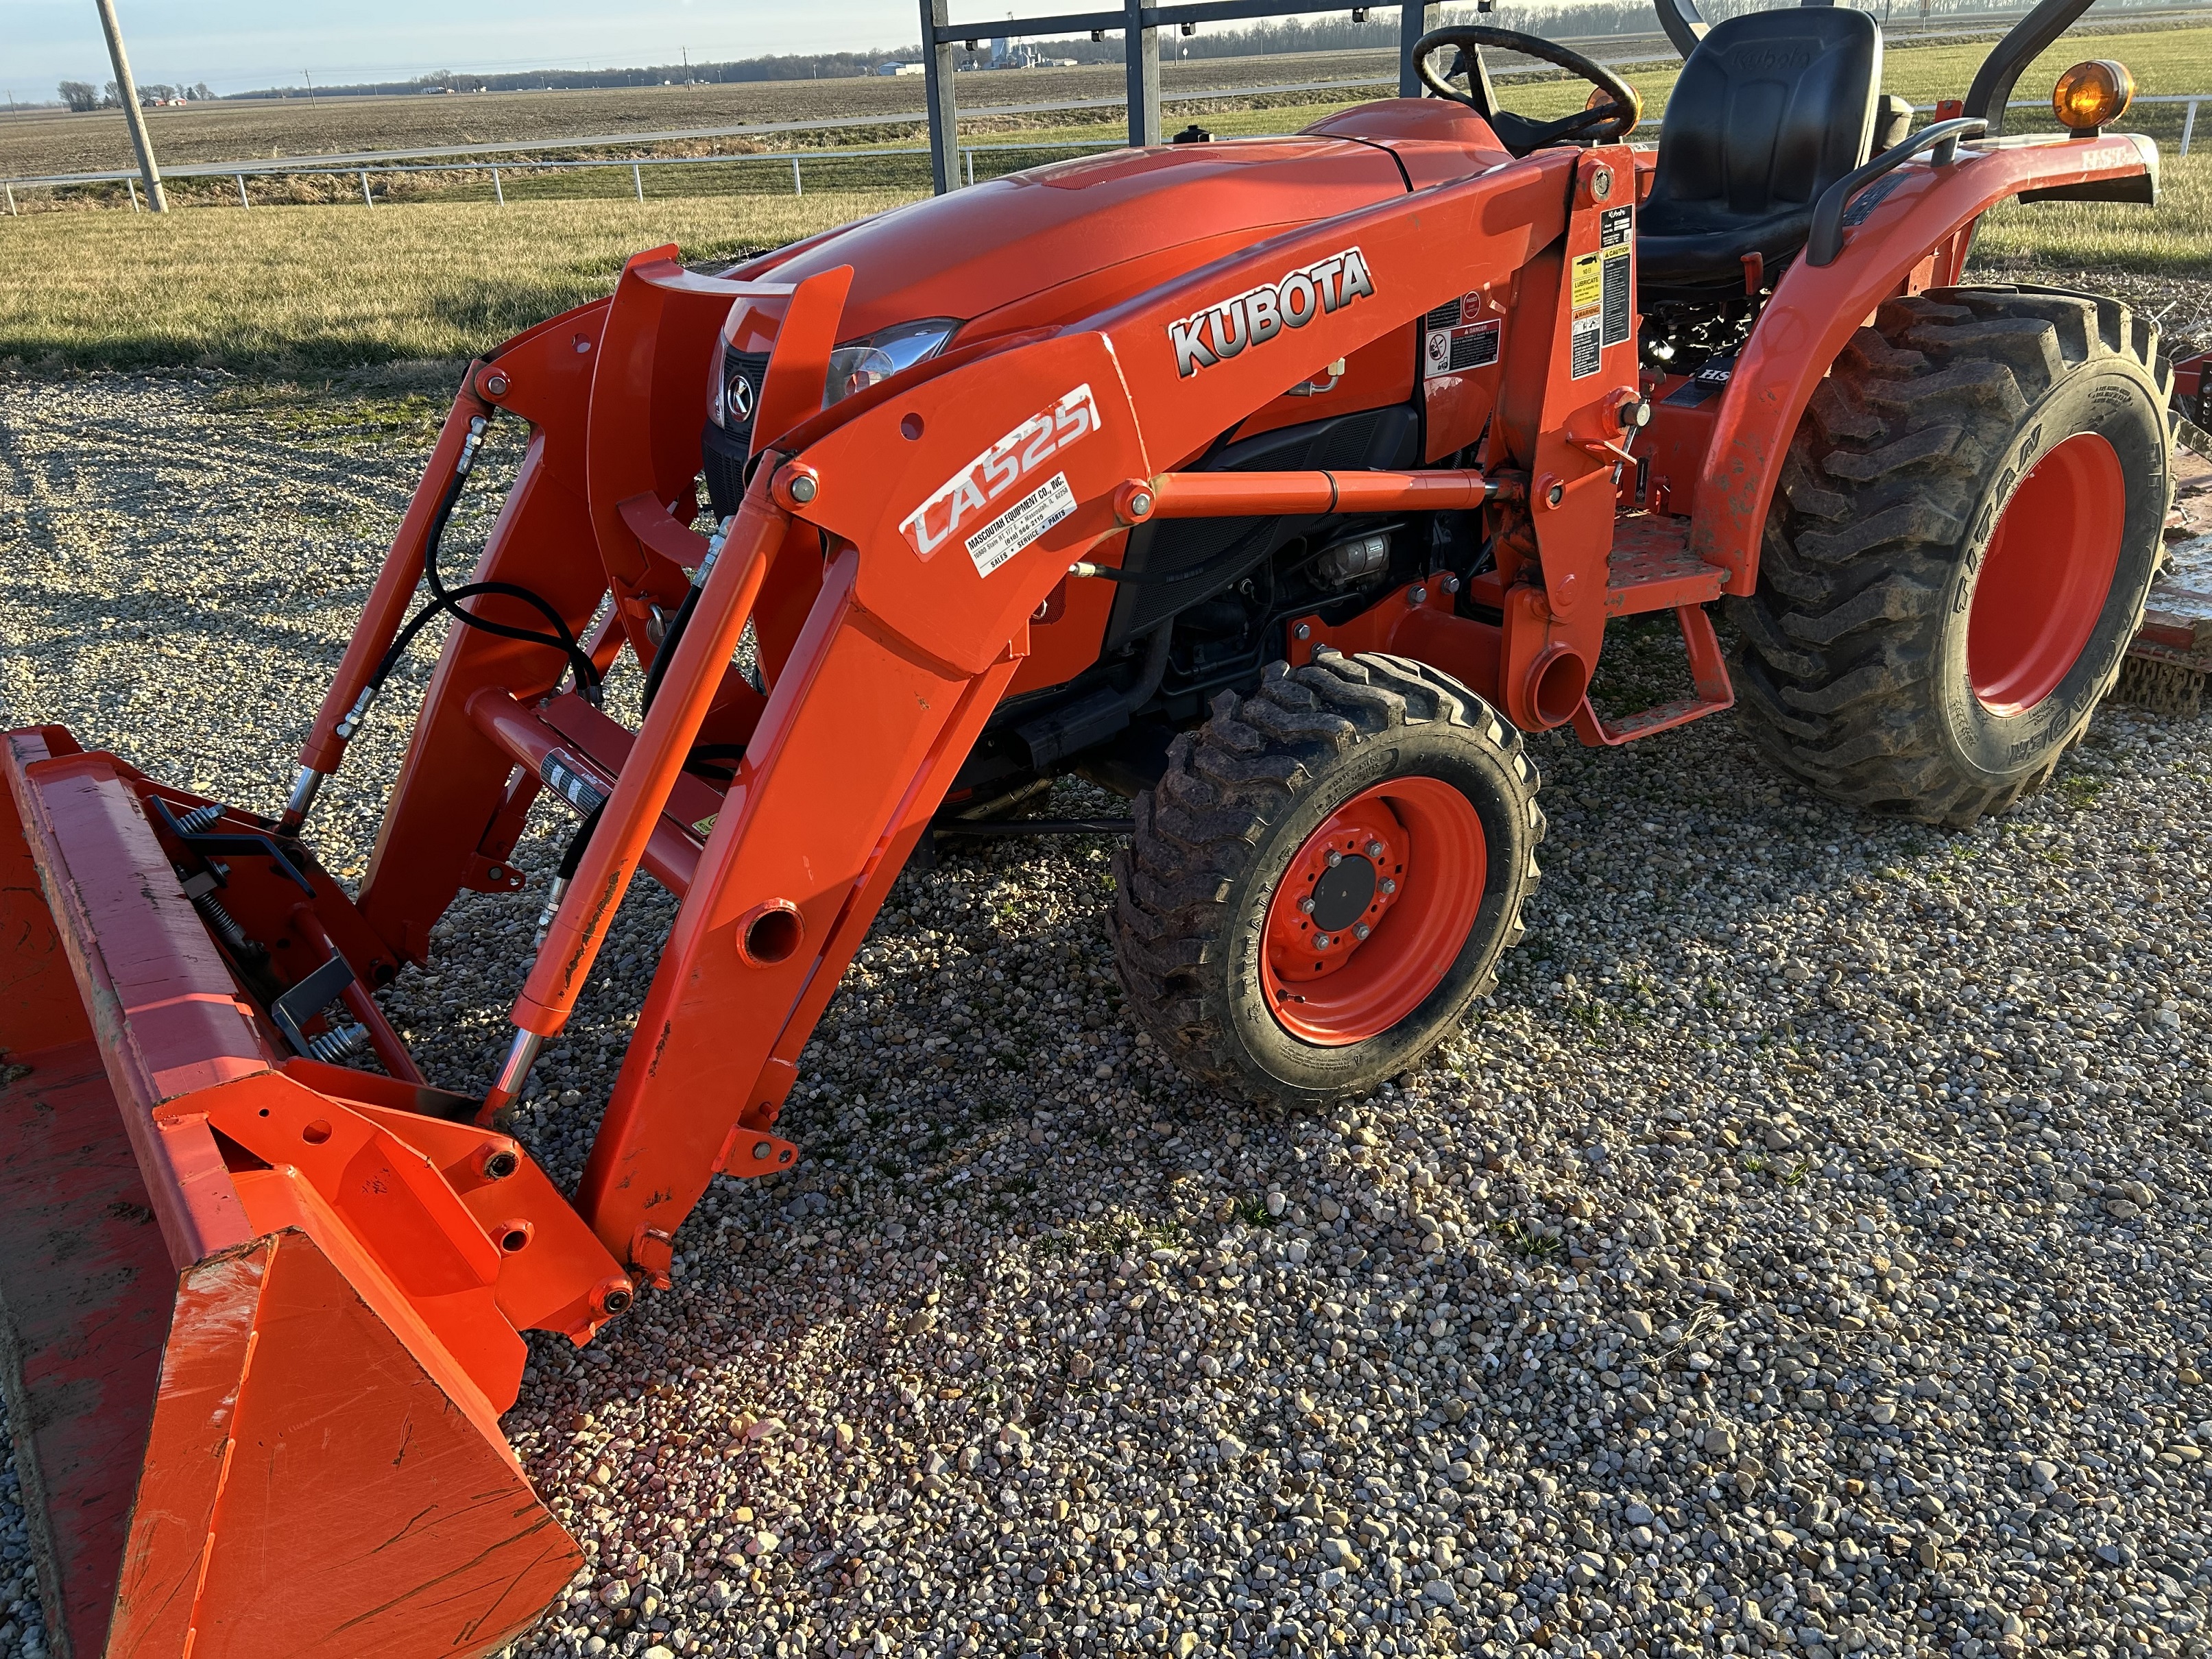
1021	524
972	491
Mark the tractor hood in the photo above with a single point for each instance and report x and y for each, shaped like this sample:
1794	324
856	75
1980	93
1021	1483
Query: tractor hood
1073	237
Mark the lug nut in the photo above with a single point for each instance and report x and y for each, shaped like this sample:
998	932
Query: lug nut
1305	906
1335	858
1320	941
1389	887
1361	930
1375	849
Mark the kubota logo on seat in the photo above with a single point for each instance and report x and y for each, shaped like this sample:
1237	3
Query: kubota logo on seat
1258	315
962	498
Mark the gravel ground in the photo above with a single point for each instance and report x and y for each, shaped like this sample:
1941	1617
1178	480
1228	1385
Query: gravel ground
1801	1252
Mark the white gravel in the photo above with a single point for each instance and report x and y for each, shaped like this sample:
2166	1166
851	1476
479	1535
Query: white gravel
1802	1252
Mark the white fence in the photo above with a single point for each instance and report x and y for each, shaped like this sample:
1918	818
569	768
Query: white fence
793	160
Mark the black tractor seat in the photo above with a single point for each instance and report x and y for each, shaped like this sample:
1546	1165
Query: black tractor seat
1772	108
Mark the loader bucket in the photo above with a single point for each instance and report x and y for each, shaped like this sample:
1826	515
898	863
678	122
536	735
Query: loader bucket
261	1314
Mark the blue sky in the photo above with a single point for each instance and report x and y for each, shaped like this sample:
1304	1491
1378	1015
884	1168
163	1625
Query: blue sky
237	44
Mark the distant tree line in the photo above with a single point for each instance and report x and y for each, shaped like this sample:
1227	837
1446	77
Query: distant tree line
82	95
1336	32
823	66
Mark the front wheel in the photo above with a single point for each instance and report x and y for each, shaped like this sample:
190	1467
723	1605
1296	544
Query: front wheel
1955	563
1325	877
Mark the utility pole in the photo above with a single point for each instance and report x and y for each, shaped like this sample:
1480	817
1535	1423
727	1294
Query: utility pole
128	89
310	73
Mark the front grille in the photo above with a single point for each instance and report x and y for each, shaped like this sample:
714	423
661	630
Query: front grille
724	449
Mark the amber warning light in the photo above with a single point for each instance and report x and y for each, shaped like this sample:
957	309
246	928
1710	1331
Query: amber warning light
2092	95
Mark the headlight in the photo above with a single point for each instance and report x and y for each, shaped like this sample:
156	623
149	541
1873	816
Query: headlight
859	365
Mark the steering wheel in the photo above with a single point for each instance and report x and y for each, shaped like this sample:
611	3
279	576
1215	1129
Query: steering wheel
1602	122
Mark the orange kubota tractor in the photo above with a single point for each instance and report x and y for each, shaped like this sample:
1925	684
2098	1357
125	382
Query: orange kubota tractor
1280	484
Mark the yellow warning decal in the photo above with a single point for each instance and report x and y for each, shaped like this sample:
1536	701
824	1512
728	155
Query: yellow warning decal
1589	283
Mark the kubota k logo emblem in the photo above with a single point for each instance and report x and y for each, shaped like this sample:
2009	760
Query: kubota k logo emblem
961	498
1258	315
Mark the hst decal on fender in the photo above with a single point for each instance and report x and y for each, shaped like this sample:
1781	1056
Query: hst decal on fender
964	498
1259	314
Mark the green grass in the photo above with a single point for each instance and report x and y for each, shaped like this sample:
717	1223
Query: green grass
294	290
2174	239
440	271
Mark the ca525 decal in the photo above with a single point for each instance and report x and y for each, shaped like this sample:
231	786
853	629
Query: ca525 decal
961	499
1259	314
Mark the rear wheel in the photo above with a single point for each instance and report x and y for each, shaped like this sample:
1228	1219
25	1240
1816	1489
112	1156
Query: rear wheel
1325	877
1956	560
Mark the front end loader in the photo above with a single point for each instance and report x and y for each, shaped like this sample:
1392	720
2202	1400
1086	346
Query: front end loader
1280	485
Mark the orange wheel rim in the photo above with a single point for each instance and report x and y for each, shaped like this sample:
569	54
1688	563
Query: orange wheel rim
2046	573
1373	910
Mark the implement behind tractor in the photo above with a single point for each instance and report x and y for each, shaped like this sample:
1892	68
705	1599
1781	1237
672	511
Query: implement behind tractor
1279	485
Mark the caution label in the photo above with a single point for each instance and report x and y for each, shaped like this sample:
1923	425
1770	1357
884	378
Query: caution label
1584	350
1620	307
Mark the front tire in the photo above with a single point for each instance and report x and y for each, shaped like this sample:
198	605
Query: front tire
1325	877
1955	563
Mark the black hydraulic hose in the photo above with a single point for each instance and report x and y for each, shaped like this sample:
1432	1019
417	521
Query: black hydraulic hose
445	600
669	637
573	855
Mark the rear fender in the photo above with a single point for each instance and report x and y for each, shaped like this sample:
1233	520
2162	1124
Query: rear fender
1896	222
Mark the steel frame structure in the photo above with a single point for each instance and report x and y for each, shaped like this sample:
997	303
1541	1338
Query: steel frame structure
1140	25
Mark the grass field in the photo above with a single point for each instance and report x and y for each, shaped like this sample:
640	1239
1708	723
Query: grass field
43	141
304	292
39	142
300	291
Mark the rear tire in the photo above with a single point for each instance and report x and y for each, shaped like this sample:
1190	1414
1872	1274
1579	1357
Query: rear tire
1915	647
1249	989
